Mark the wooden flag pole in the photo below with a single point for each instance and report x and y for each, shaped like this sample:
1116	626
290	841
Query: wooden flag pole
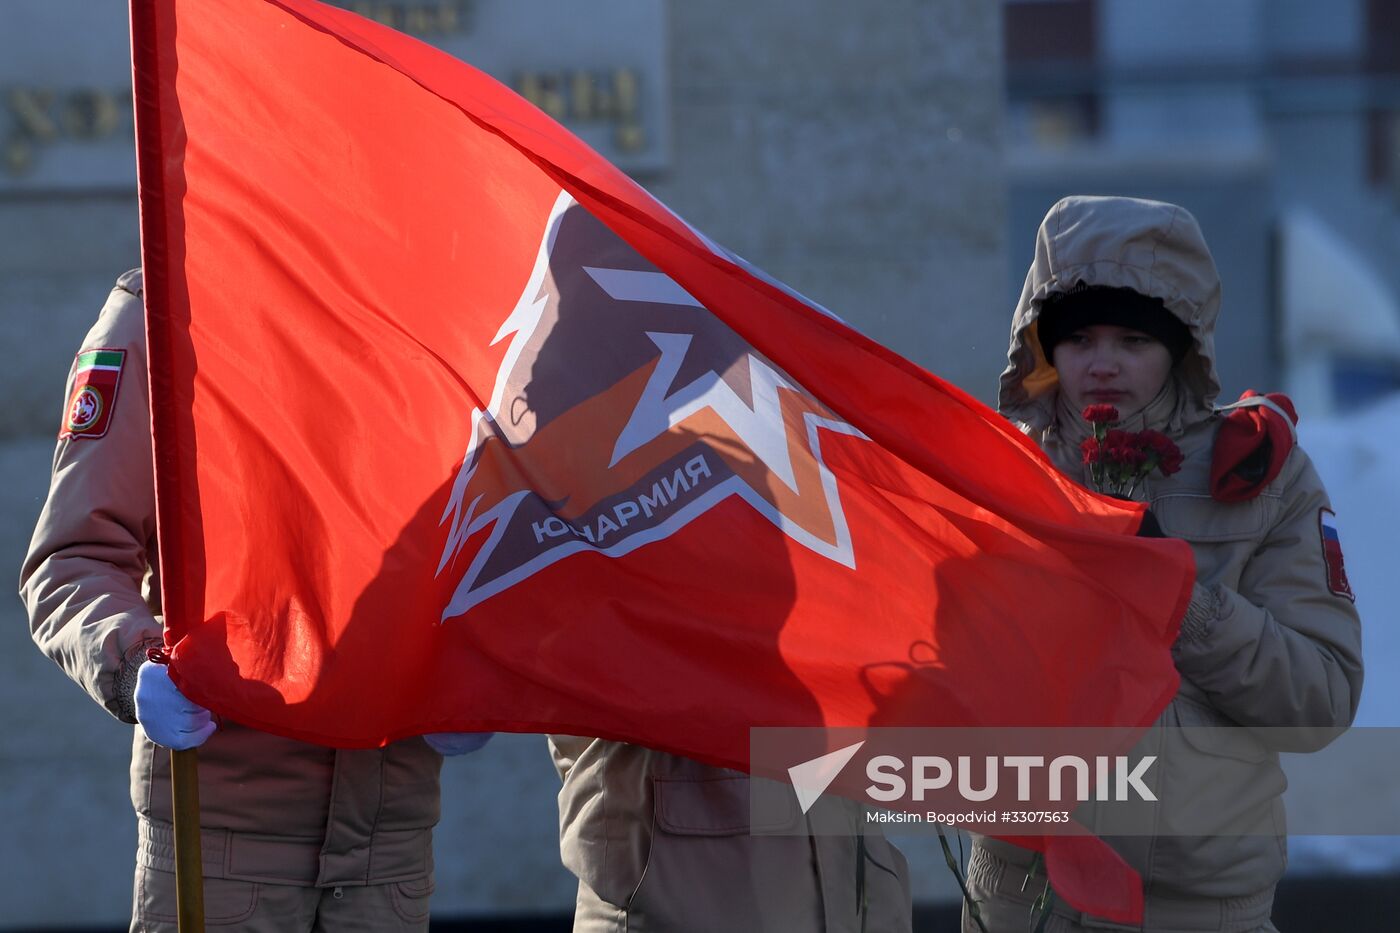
189	865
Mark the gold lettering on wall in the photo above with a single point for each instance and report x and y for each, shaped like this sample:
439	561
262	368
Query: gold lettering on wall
30	109
89	114
425	19
34	117
612	97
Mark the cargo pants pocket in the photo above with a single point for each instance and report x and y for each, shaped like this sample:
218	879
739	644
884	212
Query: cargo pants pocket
226	902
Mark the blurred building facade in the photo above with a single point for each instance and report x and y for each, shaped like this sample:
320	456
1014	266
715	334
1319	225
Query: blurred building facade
1277	122
856	157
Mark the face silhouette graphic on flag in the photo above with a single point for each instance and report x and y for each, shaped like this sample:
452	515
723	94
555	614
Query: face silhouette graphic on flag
622	411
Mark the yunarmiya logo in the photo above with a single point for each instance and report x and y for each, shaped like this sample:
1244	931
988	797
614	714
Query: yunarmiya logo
622	411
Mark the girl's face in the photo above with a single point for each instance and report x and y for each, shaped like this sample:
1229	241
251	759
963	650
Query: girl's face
1105	364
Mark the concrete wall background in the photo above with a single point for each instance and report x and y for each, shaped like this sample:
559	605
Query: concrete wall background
857	157
854	155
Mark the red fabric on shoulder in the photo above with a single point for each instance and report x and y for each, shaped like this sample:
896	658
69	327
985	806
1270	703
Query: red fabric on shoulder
1250	448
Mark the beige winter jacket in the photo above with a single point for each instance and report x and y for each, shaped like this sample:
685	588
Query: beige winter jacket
1265	641
272	809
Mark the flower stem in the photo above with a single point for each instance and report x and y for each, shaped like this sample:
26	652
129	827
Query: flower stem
972	909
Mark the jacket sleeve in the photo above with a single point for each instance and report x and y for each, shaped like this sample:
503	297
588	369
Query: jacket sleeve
94	543
1283	649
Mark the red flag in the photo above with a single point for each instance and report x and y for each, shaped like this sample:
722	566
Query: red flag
457	428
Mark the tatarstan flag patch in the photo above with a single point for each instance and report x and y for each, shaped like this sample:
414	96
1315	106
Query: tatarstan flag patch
1337	581
97	374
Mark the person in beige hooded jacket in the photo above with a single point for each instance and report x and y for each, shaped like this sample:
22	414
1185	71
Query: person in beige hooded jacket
1271	637
296	837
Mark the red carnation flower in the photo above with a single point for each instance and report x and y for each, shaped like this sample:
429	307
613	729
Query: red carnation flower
1168	455
1119	460
1118	438
1100	414
1133	456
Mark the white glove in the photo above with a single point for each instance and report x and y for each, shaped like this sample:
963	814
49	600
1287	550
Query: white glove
165	715
456	743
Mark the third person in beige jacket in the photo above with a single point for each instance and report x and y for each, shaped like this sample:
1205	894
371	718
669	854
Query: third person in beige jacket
1119	308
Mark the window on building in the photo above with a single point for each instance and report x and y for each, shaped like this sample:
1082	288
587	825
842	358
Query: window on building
1383	37
1383	151
1049	31
1053	122
1357	382
1051	51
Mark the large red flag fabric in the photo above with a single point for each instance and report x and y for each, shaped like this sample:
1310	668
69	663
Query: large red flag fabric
458	428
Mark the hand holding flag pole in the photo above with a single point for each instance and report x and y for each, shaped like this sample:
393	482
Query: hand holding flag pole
169	719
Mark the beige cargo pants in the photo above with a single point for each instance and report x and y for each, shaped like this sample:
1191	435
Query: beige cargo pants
260	907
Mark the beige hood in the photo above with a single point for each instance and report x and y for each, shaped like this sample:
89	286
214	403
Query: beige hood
1155	249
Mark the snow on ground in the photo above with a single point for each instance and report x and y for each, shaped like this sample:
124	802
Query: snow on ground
1358	457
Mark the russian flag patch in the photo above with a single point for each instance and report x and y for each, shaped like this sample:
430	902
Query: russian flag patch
1337	582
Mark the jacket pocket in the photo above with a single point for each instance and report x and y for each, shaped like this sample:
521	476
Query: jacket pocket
1213	734
711	807
1217	812
706	872
721	806
1194	517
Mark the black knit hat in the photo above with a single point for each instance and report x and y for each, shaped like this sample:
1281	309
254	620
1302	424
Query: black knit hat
1063	313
